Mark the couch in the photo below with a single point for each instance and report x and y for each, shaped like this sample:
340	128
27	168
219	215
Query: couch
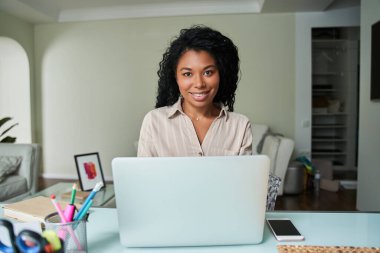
24	180
278	148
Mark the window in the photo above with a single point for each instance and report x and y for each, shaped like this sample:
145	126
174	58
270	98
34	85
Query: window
15	87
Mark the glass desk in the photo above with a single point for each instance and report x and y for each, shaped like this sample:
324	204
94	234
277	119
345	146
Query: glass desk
102	198
319	228
355	229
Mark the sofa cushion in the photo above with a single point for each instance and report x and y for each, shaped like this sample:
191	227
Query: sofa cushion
258	133
8	166
270	148
12	186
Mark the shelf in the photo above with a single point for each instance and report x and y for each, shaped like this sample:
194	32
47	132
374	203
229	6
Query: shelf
328	153
332	44
326	73
324	90
328	126
330	114
326	137
329	41
317	86
328	140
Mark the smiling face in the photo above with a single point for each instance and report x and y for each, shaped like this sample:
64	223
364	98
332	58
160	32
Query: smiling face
198	80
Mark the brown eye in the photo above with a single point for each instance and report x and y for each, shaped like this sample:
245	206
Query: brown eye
208	73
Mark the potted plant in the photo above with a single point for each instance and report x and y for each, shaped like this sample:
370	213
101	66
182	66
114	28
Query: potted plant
3	138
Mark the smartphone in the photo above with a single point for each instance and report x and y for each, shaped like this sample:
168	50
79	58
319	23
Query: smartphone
284	230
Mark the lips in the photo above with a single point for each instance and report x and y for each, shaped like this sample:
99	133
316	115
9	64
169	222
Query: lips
199	96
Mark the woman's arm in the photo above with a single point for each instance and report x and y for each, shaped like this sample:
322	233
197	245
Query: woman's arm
246	146
146	142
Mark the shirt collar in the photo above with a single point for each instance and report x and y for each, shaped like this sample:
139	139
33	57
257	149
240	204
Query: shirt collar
176	109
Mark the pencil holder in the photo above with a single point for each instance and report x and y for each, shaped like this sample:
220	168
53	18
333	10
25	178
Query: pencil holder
72	233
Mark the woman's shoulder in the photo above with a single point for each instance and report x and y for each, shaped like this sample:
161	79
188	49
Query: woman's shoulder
158	113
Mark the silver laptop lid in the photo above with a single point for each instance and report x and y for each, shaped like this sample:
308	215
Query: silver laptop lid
190	201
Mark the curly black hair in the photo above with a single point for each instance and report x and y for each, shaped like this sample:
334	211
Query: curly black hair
199	38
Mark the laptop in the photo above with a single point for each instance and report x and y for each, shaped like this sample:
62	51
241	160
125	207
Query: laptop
190	201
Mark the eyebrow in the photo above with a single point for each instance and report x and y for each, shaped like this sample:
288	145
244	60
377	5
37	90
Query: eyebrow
208	66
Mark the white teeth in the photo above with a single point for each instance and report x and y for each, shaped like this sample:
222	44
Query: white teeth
199	94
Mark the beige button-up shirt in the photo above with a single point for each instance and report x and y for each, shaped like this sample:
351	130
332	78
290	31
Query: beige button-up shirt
168	131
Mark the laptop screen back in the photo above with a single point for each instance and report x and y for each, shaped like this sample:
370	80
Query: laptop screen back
190	201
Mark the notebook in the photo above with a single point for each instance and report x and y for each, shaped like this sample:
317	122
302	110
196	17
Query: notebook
190	201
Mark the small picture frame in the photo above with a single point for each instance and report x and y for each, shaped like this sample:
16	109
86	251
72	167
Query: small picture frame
89	170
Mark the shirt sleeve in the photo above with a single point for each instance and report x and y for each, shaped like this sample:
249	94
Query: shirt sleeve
246	146
146	143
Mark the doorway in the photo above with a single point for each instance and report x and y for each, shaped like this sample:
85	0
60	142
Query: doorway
335	100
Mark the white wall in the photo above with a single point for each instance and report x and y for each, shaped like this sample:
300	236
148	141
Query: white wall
96	80
368	195
304	23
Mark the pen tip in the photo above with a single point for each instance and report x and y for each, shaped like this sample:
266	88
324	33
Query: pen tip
52	196
74	186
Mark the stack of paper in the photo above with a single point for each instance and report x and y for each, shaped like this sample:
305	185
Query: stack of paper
33	209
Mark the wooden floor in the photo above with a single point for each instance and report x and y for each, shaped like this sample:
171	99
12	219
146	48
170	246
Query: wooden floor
343	200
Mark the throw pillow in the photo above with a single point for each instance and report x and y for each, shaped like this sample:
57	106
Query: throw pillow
8	165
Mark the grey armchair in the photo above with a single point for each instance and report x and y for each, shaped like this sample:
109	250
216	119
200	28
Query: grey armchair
279	150
25	180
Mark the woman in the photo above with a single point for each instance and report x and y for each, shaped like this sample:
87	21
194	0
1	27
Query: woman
194	116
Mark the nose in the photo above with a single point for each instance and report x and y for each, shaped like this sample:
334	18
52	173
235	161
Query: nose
199	82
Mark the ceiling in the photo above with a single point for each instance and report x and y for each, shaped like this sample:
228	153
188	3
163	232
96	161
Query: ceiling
46	11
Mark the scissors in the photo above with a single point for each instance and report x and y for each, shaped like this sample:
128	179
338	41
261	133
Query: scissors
26	241
9	227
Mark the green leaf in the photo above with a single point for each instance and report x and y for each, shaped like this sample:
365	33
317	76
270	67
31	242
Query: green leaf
8	139
4	120
9	128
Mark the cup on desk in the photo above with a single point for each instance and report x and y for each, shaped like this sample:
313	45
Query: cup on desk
72	233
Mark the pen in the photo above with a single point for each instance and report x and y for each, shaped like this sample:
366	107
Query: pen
58	208
88	199
73	192
85	210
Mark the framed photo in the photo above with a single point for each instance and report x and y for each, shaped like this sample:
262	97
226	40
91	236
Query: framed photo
89	170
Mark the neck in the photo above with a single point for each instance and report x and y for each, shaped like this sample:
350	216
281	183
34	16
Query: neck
200	113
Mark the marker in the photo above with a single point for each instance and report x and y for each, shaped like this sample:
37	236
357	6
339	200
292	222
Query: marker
88	199
53	239
69	212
